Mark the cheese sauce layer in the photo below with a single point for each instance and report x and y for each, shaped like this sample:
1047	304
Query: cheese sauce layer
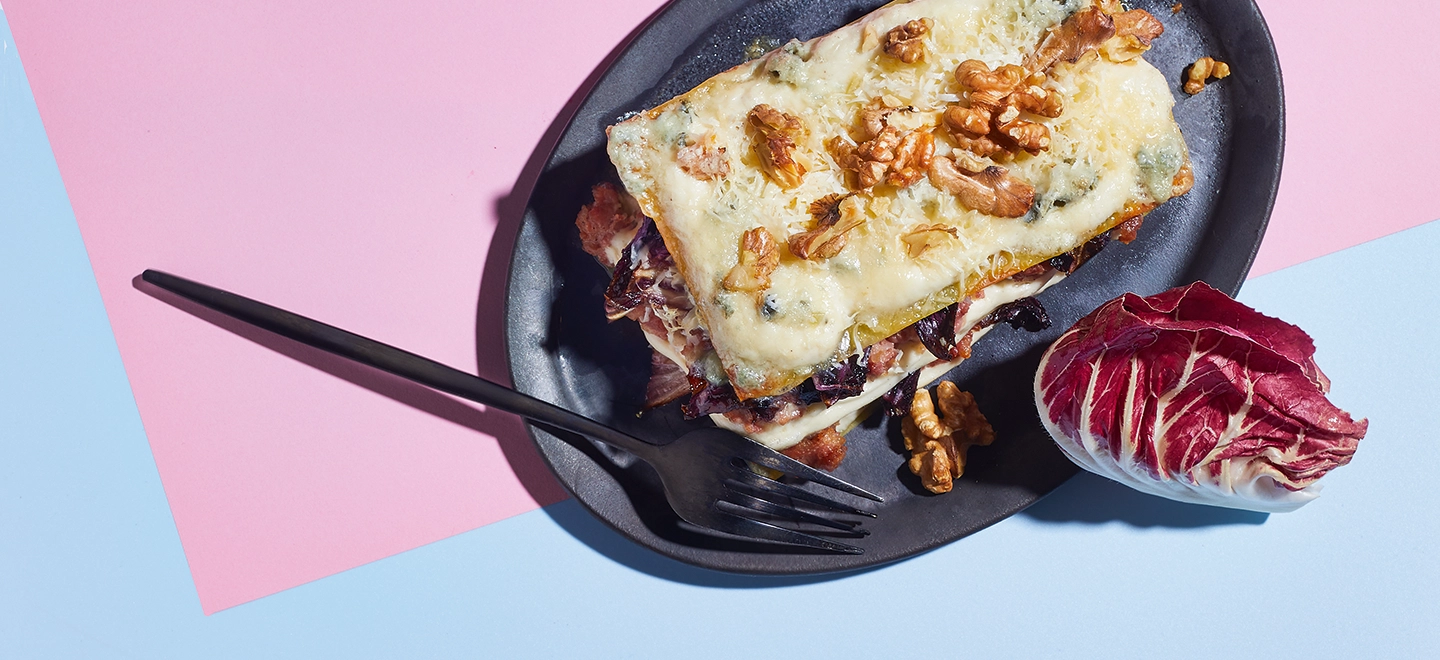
1114	144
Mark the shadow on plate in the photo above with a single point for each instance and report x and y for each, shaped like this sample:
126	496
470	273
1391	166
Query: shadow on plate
593	361
492	363
1090	498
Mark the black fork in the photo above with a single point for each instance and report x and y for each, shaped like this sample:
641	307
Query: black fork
707	473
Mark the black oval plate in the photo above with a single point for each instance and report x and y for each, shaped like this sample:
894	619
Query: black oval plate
562	350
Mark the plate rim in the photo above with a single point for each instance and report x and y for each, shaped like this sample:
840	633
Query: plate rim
1266	46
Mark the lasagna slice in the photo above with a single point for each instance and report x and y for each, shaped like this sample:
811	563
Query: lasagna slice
839	219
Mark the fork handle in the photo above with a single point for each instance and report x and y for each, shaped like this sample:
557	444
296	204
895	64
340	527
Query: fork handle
402	363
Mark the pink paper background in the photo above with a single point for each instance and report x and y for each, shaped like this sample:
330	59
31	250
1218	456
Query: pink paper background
352	161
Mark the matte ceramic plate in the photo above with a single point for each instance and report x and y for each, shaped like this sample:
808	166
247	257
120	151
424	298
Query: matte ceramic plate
561	348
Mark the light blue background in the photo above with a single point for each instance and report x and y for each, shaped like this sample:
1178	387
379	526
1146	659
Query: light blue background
91	566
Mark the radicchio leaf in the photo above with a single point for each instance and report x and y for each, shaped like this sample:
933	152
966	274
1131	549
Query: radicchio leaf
938	331
1026	313
637	271
897	400
707	398
1195	397
843	379
667	381
1074	259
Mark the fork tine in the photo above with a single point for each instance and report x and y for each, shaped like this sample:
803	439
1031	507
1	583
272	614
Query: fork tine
731	522
776	461
762	486
779	511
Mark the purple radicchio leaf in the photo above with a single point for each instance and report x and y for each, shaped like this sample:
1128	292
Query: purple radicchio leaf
1026	313
667	381
897	400
706	397
709	398
1074	259
1193	396
843	379
937	332
636	271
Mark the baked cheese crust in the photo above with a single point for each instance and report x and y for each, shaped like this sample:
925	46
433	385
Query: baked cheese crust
1114	150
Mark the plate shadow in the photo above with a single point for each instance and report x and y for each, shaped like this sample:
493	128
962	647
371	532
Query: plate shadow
1093	499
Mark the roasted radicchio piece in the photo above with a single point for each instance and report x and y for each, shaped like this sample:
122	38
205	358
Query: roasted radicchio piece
1193	396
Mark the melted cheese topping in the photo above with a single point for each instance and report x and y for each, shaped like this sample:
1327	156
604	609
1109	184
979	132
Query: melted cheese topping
1115	140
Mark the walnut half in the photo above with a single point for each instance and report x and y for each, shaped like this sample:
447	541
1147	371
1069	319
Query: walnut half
905	43
1083	32
834	218
759	257
996	100
888	154
938	443
776	133
991	191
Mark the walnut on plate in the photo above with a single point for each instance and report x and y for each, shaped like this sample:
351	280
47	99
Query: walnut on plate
1134	31
992	122
1078	35
939	443
923	237
1203	69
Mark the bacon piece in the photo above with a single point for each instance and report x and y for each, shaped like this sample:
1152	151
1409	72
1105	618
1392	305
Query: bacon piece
613	212
822	450
1127	231
883	355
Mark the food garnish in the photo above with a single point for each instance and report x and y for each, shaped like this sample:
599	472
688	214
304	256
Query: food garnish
1204	69
838	220
939	443
1193	396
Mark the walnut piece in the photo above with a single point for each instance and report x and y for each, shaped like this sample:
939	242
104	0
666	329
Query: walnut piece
938	443
988	89
905	43
983	146
997	98
776	133
1083	32
991	191
1203	69
1027	135
962	416
758	259
1175	9
1134	30
921	238
822	450
1035	99
889	155
834	218
703	160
